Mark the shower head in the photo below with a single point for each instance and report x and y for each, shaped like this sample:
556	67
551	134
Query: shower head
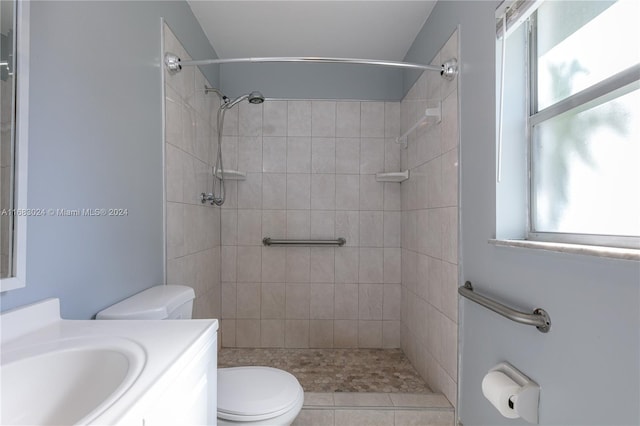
256	97
253	97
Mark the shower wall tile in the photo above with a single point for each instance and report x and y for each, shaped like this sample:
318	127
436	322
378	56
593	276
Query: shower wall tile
193	251
370	334
299	118
273	300
250	153
173	117
298	191
250	192
323	118
348	119
371	265
231	195
228	332
428	307
321	301
371	155
274	118
391	302
391	119
273	264
248	333
372	119
230	151
297	304
345	333
390	334
371	229
296	333
250	258
392	265
274	191
323	191
311	174
274	154
272	333
298	264
348	155
321	334
249	295
323	155
391	155
371	193
298	154
392	229
392	197
346	264
322	265
348	192
228	258
370	301
274	222
229	228
249	119
323	224
250	227
348	226
346	301
230	127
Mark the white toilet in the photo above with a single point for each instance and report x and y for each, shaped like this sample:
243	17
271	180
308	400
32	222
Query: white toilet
246	395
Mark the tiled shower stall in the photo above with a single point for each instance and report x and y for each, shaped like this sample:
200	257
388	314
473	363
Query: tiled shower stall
311	173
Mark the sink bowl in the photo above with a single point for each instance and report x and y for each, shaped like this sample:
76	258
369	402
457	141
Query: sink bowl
67	381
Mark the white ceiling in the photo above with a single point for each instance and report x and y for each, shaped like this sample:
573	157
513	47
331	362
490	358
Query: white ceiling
350	29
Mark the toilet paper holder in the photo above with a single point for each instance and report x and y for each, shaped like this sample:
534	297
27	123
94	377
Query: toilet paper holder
524	402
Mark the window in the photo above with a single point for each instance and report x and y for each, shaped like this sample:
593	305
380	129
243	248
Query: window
581	83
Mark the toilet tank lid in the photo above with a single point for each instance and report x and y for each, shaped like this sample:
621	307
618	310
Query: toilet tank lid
153	303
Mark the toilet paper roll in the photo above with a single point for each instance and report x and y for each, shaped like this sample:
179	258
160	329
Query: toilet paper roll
497	387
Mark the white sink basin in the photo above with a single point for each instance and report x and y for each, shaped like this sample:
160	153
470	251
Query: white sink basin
69	381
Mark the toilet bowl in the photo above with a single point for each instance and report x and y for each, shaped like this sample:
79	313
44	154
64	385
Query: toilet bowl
246	395
258	396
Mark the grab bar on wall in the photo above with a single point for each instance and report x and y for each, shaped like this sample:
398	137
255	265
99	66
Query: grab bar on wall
539	318
435	112
268	241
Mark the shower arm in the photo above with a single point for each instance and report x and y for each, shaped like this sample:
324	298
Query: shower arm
448	70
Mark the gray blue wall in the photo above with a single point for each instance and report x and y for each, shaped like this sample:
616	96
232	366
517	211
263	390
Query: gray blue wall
587	365
313	81
96	142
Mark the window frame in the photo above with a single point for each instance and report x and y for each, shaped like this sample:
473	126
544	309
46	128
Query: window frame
612	87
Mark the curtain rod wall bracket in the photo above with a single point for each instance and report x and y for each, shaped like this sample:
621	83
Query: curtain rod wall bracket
172	62
448	70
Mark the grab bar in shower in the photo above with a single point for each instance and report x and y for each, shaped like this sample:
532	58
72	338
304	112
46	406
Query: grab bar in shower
539	318
268	241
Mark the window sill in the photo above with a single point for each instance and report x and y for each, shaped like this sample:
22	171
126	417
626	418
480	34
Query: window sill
599	251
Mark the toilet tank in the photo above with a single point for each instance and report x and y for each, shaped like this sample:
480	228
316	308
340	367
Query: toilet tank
155	303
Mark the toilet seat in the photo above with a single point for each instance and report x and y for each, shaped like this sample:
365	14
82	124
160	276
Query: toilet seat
256	393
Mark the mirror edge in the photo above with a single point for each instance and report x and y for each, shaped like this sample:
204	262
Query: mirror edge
22	146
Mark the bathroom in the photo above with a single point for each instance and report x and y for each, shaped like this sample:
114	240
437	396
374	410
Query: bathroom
101	135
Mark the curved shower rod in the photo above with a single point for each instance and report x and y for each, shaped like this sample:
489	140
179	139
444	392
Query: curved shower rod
447	70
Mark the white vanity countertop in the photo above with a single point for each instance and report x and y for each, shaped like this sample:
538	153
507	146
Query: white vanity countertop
169	346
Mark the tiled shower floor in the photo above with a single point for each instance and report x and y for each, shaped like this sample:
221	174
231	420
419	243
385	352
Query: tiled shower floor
335	370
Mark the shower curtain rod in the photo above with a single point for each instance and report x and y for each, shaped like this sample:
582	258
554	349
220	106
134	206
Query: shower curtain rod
448	70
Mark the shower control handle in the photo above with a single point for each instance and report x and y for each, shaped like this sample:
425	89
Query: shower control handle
207	197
